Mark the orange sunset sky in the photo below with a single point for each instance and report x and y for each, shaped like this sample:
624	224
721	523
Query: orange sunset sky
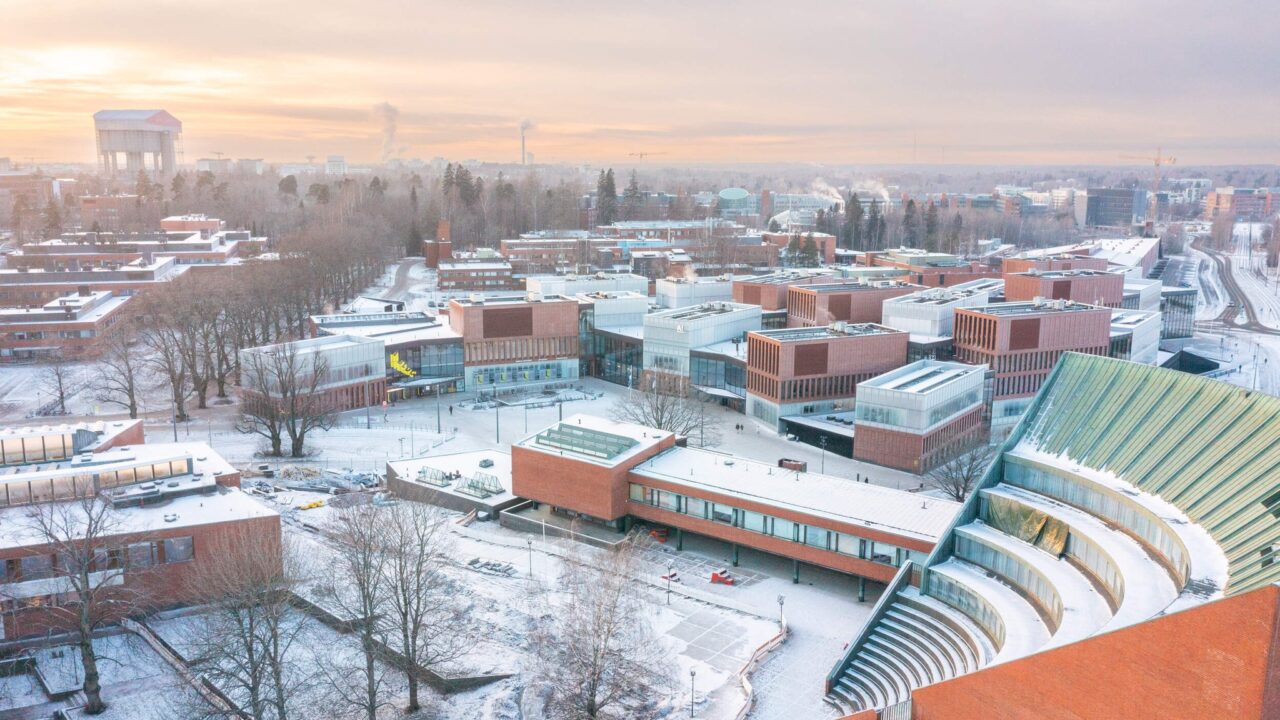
698	81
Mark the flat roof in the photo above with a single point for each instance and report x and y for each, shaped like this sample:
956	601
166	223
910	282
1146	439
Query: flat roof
203	460
1031	308
595	439
510	299
1068	273
474	266
703	310
821	496
923	376
222	505
836	330
461	474
853	286
937	296
780	278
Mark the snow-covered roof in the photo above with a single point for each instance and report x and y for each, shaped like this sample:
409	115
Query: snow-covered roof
467	465
821	496
223	505
595	439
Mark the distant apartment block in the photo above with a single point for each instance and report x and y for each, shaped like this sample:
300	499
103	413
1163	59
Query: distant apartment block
486	276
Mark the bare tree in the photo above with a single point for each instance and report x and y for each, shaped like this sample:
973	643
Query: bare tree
429	627
957	476
285	396
597	647
56	380
118	378
244	643
362	561
664	401
84	541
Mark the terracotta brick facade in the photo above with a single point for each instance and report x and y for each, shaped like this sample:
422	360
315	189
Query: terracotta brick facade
913	452
1218	660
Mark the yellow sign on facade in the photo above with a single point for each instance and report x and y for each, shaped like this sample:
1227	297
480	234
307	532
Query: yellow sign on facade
399	366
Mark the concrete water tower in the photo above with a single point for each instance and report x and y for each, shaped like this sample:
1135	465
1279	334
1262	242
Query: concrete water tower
137	134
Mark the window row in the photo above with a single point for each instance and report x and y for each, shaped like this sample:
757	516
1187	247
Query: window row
135	556
784	529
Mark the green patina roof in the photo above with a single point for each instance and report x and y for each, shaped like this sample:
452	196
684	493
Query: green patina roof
1210	448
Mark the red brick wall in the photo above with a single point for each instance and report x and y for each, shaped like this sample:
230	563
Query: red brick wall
162	585
891	448
575	484
1105	289
1220	660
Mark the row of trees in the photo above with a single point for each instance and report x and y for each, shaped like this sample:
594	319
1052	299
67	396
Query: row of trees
594	649
186	336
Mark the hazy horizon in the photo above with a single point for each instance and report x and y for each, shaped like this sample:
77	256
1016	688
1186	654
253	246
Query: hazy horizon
1074	83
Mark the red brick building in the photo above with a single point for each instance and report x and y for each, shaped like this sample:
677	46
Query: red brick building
770	292
615	473
1063	261
826	243
1221	659
164	509
476	276
804	371
1021	342
1092	287
517	340
849	301
920	415
74	326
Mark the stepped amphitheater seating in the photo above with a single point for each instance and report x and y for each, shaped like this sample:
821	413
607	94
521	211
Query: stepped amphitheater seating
1114	501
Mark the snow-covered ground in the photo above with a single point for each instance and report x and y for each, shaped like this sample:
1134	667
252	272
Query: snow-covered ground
1249	359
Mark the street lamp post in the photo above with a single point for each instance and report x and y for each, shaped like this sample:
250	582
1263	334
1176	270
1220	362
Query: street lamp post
497	427
822	440
529	542
692	691
781	599
671	570
438	408
401	447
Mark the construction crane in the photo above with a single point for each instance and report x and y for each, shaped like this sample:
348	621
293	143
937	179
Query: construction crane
643	155
1157	162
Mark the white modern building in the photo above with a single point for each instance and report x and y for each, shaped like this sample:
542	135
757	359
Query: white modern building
684	292
610	310
930	314
353	369
1135	335
598	282
918	415
670	335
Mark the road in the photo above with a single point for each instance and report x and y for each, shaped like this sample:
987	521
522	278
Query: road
400	289
1239	299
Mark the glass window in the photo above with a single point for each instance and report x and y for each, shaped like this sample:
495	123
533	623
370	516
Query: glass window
785	529
755	522
816	537
722	513
669	501
35	567
695	507
884	553
847	544
637	493
180	549
141	555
